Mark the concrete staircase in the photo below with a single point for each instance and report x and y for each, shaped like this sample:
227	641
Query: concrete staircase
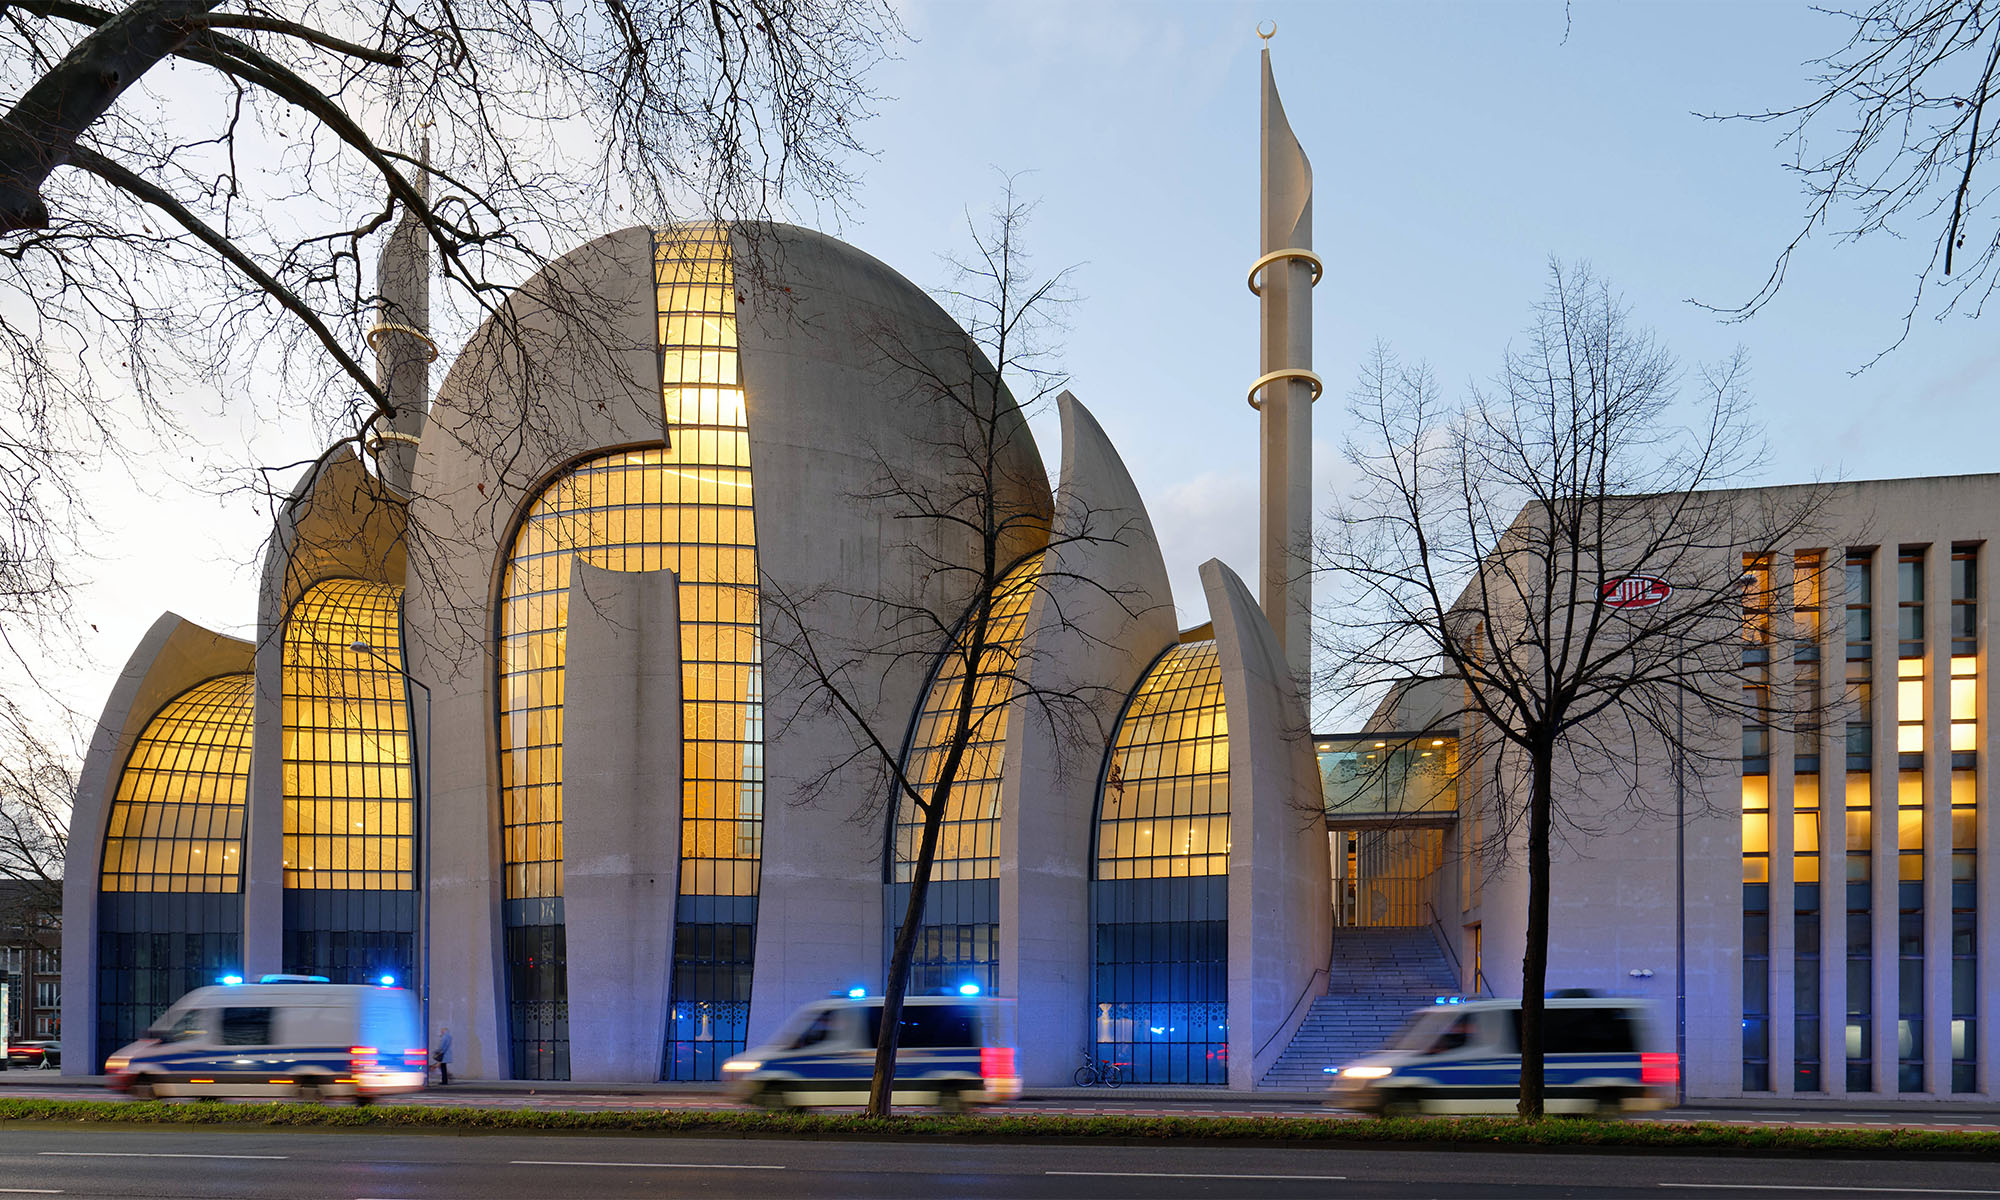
1378	976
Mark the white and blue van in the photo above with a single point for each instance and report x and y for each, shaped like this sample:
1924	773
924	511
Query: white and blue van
1464	1056
952	1051
285	1036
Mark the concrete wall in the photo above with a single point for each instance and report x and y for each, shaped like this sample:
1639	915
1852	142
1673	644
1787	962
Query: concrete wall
175	655
1280	903
1102	612
621	817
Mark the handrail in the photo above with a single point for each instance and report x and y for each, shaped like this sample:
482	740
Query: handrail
1437	925
1317	971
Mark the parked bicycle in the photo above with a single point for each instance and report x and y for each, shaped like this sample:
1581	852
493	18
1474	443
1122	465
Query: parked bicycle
1096	1072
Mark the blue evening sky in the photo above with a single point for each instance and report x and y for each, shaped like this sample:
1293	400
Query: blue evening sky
1455	147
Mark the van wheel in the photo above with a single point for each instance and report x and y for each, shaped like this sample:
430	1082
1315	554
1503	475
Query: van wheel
361	1101
1609	1104
142	1088
1400	1104
952	1101
773	1097
309	1093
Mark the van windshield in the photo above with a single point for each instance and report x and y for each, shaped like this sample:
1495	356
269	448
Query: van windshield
1418	1032
928	1025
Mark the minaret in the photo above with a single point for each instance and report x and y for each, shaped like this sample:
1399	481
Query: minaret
1283	278
402	343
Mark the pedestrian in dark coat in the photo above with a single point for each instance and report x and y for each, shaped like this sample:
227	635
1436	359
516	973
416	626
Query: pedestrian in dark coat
444	1056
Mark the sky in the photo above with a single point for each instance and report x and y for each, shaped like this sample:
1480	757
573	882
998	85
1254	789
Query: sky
1456	147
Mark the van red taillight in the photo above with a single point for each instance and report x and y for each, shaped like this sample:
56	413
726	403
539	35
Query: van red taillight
996	1062
361	1058
1659	1070
415	1058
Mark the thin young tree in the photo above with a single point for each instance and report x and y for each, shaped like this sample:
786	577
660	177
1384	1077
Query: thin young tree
987	546
1890	141
1480	542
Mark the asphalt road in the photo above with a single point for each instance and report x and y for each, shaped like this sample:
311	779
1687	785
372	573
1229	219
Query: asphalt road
352	1165
1099	1102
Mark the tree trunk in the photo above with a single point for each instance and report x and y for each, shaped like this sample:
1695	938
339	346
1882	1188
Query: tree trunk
898	983
40	132
1535	963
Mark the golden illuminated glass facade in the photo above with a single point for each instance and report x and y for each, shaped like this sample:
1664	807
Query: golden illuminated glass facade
966	843
177	822
350	817
1166	789
687	509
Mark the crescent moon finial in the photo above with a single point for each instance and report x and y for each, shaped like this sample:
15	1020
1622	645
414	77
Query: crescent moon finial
1266	36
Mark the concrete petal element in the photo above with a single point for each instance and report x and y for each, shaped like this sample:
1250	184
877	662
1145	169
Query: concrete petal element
838	356
569	367
174	655
1280	907
1103	610
621	817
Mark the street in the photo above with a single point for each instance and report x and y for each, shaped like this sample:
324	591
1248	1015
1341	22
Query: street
350	1165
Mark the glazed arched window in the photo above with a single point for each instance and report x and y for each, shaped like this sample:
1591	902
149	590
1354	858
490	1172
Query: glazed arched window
1161	987
176	824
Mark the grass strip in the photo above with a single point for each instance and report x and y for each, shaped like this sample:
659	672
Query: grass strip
1465	1131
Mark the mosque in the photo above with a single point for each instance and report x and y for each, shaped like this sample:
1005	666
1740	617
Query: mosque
523	726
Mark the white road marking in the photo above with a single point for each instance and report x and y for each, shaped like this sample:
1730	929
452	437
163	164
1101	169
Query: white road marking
1821	1187
131	1154
1183	1175
32	1191
553	1162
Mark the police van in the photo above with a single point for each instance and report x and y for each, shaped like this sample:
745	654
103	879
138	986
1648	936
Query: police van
952	1051
285	1036
1464	1056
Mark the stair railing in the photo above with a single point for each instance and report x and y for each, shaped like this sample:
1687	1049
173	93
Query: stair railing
1437	928
1304	993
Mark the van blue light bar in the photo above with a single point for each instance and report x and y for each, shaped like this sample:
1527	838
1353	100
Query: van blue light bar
856	993
1449	1000
968	989
230	980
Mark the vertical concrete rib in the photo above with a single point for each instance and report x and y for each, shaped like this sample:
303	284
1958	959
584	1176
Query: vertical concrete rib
1103	611
621	817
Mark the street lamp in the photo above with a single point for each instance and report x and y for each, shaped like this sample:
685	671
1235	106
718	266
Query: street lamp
361	646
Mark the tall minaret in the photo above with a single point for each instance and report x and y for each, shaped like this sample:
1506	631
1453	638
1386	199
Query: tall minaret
1283	278
402	342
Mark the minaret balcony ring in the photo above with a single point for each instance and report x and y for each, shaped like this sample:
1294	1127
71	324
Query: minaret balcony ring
1305	256
1286	373
375	336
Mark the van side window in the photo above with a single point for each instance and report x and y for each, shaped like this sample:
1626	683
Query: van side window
821	1029
192	1026
1582	1031
930	1025
246	1026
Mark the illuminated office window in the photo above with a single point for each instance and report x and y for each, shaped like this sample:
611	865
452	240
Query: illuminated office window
350	820
1756	933
686	507
959	940
1964	931
1859	701
1805	934
1860	1036
1162	890
169	914
1910	931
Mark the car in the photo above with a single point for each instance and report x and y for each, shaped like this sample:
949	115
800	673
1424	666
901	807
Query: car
283	1037
953	1051
34	1054
1464	1056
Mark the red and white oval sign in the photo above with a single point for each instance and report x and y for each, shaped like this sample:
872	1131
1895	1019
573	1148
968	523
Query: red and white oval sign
1634	591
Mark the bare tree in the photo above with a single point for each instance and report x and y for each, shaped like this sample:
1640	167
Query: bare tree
36	783
1891	140
987	546
1483	539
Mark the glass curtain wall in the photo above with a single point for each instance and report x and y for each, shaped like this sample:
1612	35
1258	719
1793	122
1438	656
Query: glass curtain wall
1964	817
1756	823
1859	813
959	940
1910	714
351	900
169	911
685	507
1162	887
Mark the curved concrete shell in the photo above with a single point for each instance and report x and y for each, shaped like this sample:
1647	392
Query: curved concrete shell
175	655
1280	927
1102	612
